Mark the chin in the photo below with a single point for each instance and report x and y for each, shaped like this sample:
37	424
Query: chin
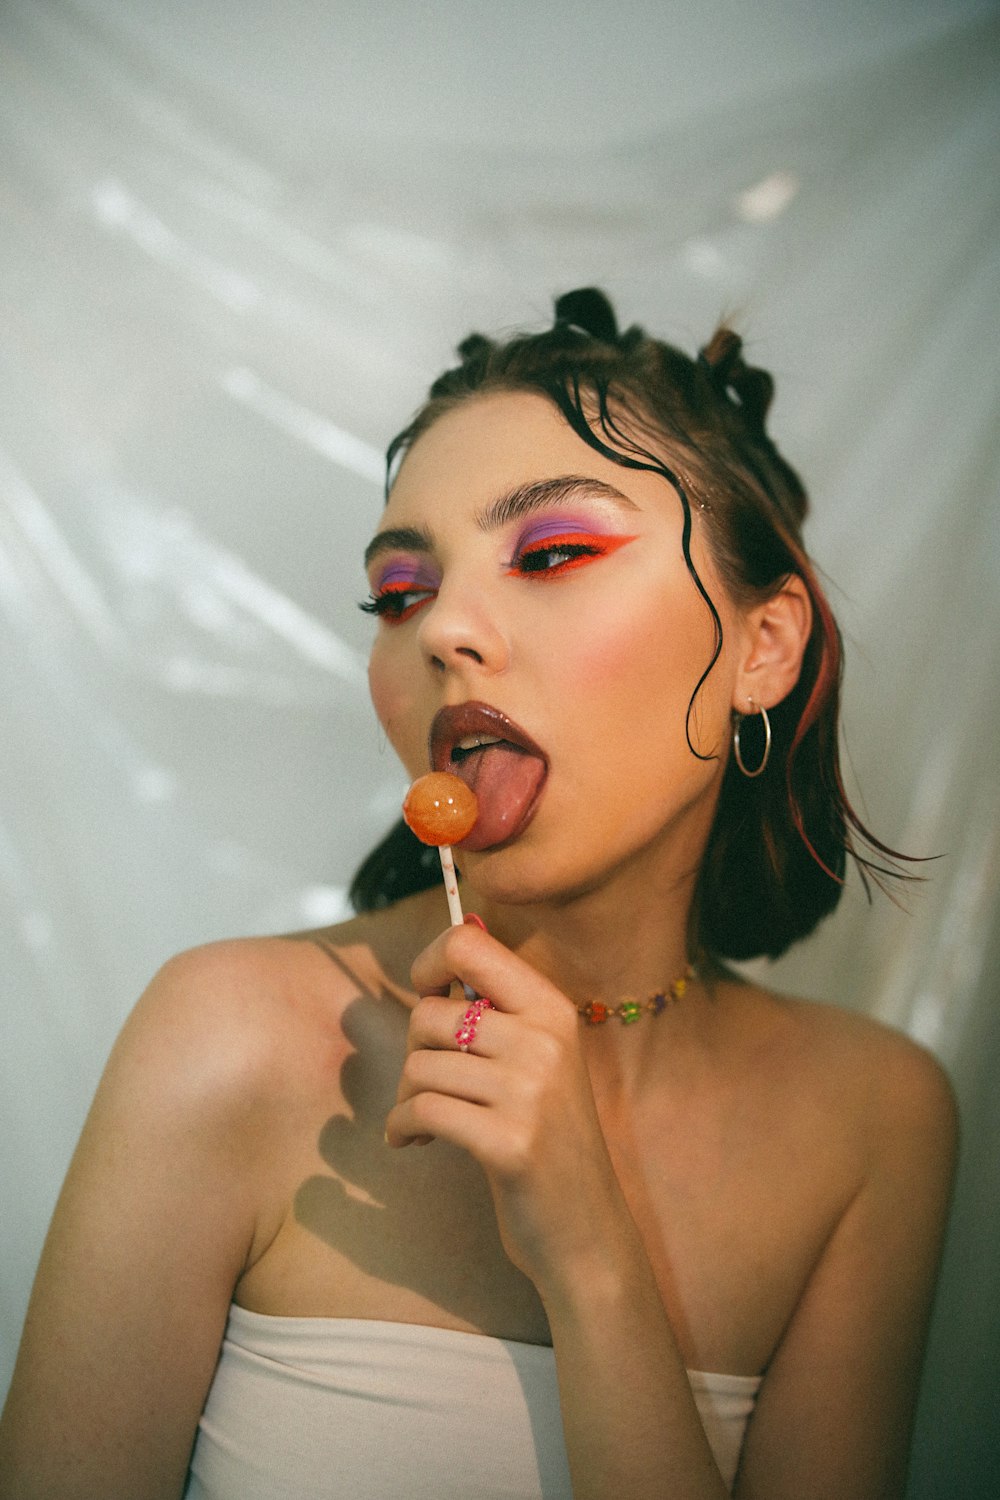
515	875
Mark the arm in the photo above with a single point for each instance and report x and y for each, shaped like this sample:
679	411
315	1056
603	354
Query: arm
522	1105
845	1376
153	1226
629	1419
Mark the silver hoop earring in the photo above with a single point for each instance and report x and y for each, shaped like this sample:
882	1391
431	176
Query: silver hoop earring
767	742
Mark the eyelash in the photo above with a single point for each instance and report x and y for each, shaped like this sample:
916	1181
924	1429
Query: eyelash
575	549
389	603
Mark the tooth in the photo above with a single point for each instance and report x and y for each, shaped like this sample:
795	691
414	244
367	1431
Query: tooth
477	741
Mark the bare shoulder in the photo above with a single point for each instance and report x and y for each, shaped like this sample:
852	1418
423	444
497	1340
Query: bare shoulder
221	1018
900	1080
874	1079
225	1048
260	1014
243	1003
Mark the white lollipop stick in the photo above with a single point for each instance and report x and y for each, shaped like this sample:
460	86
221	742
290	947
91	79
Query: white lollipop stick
454	900
451	886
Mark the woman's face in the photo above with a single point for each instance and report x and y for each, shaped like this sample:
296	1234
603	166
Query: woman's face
527	584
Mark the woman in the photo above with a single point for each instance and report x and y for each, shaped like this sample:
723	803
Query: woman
593	606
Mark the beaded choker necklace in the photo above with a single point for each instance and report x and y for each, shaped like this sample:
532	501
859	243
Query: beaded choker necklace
595	1012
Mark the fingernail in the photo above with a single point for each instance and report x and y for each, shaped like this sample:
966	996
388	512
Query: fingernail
471	920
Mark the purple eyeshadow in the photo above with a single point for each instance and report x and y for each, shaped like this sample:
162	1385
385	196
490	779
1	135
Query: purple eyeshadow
561	525
403	572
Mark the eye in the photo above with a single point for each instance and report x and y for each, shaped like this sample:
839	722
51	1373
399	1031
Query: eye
555	555
396	602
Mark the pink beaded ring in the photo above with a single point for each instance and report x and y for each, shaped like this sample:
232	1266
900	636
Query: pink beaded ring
466	1033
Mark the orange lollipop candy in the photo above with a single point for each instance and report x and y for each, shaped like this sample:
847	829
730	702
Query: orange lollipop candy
442	810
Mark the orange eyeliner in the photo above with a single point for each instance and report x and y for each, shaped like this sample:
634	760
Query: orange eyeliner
584	547
380	603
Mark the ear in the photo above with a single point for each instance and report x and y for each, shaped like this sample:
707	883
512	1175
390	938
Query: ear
775	637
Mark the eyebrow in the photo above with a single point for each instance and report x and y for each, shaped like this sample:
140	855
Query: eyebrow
514	504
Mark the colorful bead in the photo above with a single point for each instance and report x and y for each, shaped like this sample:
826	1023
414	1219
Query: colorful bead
595	1013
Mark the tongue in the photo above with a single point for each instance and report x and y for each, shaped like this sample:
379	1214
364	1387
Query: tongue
506	781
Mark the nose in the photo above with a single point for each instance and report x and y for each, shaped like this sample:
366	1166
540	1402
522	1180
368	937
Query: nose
458	628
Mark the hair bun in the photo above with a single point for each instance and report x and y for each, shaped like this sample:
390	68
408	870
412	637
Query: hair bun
588	310
743	386
475	346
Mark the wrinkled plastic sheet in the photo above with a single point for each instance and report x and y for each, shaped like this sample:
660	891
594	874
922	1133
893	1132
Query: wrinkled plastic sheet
215	315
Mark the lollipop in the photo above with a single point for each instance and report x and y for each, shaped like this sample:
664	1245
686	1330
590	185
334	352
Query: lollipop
442	810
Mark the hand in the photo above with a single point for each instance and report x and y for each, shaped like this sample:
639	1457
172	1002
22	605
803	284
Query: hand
520	1101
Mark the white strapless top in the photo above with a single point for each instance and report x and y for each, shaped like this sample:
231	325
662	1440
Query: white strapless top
324	1408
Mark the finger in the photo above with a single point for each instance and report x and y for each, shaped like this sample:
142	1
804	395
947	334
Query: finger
431	1116
470	1077
475	957
435	1025
413	1140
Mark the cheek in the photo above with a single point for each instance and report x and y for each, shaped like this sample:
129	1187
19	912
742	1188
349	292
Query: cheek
632	672
380	685
628	758
646	657
393	698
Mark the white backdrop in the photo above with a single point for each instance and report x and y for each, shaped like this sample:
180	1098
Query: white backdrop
237	241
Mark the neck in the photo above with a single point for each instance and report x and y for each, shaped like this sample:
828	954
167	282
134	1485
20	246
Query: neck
627	933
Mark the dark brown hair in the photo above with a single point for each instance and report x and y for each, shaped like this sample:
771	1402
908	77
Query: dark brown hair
775	860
